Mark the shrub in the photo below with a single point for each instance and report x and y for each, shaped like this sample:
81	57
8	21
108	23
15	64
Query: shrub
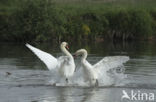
35	19
129	24
42	20
141	24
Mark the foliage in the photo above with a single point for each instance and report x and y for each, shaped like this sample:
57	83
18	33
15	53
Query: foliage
44	20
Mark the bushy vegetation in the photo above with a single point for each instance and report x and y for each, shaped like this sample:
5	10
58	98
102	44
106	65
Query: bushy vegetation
46	20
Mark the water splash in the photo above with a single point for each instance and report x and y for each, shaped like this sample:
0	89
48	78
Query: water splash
113	76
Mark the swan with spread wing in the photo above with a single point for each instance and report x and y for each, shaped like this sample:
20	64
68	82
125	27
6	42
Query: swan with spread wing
64	64
93	72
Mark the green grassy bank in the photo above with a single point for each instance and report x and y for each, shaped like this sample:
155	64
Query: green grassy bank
47	20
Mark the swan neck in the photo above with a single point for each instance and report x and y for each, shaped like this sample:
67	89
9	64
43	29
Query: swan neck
84	56
65	51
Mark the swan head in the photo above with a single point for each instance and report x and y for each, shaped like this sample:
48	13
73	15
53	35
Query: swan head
64	45
81	52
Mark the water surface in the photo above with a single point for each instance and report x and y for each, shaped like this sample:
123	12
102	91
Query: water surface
28	81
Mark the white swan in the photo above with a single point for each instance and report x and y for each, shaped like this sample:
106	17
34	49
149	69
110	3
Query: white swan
93	72
65	64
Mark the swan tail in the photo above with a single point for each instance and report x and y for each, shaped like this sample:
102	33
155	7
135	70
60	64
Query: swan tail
48	59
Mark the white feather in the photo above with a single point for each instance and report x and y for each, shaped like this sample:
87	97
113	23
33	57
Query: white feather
94	72
64	64
109	62
50	61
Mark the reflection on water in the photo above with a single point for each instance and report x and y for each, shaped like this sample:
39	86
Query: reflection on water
28	78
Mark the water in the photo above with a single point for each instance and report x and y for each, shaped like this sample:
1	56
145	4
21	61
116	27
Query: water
24	78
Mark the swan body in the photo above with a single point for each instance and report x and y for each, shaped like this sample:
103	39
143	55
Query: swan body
64	64
93	72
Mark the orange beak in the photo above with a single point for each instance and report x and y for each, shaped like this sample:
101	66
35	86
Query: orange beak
74	55
67	47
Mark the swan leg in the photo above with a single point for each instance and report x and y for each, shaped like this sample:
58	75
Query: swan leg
96	83
67	80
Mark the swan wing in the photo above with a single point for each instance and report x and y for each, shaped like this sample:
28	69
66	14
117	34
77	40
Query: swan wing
50	61
110	62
